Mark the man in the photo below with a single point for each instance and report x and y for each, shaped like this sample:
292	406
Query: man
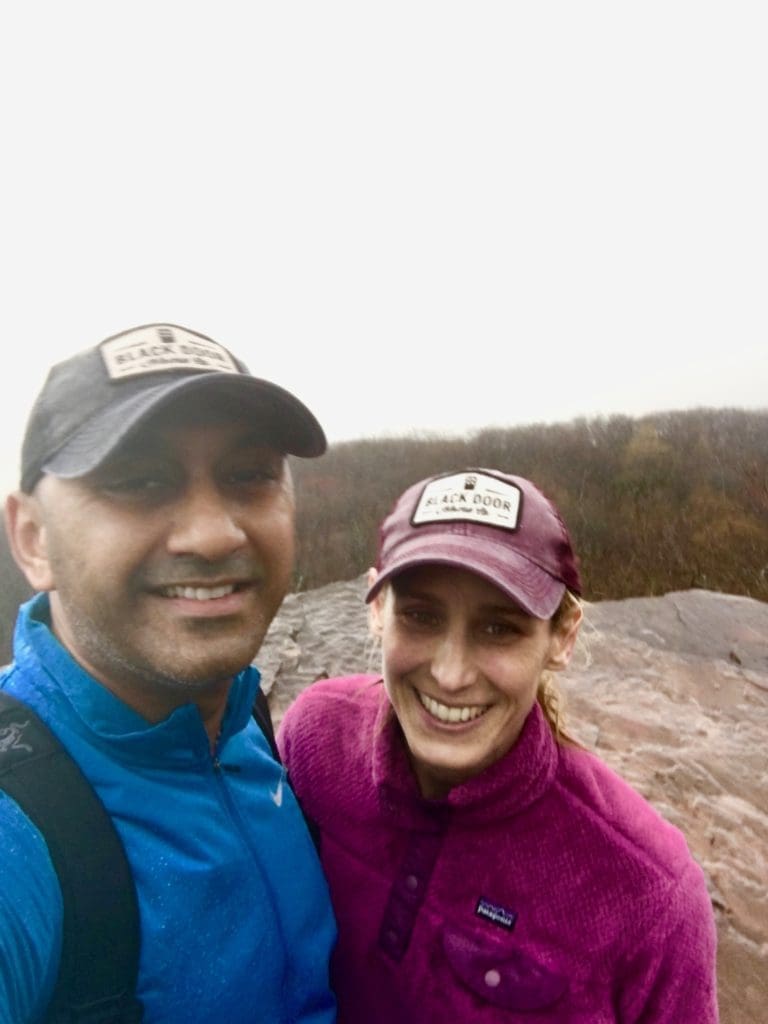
155	518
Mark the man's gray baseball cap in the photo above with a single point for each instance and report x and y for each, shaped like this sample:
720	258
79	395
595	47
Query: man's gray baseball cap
92	402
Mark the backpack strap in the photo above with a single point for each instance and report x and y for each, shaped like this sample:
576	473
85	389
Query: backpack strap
101	935
263	718
100	940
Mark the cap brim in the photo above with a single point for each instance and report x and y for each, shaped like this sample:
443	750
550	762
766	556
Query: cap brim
292	427
527	584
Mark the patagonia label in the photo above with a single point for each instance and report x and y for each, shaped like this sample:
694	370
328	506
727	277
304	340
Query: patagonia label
496	915
159	348
471	497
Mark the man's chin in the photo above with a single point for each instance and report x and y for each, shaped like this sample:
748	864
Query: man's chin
198	670
200	678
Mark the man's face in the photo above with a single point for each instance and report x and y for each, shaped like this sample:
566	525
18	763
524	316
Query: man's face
170	560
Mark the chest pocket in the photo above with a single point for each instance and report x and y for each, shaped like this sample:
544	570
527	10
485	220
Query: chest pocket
506	978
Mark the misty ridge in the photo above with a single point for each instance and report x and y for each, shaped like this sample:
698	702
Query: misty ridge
674	692
665	502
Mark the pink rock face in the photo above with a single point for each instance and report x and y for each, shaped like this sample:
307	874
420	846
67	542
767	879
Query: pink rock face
672	692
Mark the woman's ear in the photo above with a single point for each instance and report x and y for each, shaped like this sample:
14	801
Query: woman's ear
564	636
28	539
375	606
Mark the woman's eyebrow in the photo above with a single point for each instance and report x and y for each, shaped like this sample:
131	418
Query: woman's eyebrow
410	591
512	610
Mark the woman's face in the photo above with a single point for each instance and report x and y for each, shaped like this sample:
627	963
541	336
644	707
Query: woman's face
461	663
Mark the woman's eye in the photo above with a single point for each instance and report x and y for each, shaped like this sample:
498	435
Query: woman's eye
501	630
419	618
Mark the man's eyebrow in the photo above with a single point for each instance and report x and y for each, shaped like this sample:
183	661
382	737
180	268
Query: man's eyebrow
259	438
137	448
155	445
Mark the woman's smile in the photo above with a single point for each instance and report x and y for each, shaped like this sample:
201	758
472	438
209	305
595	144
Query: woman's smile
450	714
462	664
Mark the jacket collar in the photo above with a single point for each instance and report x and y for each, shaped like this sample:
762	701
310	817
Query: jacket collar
62	691
506	788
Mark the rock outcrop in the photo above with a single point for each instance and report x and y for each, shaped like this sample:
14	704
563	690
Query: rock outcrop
672	692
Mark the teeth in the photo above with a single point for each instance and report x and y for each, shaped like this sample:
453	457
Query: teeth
200	593
445	714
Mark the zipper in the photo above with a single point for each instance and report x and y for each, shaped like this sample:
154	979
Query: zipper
219	774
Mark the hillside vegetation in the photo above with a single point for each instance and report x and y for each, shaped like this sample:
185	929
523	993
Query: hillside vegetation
665	502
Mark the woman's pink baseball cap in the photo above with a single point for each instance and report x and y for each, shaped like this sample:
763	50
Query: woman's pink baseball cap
496	525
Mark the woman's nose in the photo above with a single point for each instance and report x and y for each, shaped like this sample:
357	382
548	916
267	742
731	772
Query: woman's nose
453	667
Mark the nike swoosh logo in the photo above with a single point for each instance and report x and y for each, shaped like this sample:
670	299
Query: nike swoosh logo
277	794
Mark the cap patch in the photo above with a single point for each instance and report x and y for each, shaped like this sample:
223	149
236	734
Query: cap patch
158	349
469	497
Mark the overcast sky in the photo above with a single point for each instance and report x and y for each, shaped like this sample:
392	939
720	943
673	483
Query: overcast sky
430	216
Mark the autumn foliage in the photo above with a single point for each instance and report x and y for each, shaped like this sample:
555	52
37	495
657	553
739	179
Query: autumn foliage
667	502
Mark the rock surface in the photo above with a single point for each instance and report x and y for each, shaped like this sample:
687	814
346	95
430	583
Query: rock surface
672	692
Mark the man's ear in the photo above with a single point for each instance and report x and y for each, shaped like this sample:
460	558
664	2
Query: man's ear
27	539
563	638
375	607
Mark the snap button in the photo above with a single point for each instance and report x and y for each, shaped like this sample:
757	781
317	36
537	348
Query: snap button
412	883
492	978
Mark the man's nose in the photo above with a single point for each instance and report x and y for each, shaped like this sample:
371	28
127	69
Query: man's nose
453	667
205	524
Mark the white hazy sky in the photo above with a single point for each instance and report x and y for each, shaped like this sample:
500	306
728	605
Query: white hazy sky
430	216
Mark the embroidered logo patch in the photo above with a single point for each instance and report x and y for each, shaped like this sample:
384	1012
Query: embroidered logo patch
12	736
159	349
472	497
496	915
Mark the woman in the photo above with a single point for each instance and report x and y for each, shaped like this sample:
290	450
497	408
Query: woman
483	867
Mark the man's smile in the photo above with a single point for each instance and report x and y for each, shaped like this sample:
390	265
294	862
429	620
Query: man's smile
198	593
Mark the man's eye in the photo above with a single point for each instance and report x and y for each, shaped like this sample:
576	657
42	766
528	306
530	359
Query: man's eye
137	484
253	475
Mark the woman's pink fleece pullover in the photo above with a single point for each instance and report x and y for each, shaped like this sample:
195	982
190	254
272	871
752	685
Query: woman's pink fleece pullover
545	889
